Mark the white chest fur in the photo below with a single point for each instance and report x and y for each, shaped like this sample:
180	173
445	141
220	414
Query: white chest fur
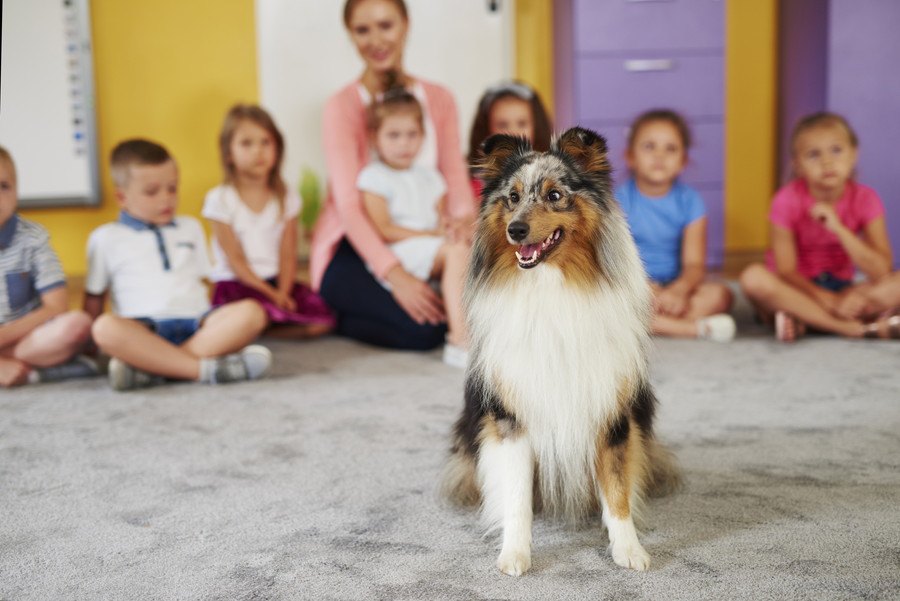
558	357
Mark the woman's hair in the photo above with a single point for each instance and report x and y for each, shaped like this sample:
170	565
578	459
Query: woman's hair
666	115
258	115
481	126
395	101
350	6
822	119
7	158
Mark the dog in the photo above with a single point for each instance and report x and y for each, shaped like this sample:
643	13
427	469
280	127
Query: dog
558	409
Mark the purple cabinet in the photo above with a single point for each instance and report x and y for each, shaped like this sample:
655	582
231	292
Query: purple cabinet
627	56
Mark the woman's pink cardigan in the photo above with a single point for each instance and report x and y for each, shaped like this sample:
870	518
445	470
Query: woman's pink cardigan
347	152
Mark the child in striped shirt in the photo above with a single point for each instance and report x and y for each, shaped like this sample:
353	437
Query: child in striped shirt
39	337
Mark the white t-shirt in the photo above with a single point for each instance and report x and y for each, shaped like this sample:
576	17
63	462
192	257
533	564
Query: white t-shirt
259	233
412	195
145	277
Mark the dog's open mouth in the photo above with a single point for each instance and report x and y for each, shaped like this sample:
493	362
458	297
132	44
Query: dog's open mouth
530	255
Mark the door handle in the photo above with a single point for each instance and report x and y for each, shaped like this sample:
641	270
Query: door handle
637	65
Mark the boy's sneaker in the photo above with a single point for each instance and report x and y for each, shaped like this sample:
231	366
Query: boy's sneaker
125	377
79	366
251	363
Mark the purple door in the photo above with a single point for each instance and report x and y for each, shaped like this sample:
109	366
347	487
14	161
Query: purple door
864	86
627	56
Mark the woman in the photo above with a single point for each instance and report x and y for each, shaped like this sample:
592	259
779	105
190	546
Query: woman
346	245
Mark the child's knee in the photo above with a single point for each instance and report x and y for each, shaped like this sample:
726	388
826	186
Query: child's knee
253	315
757	281
106	330
76	327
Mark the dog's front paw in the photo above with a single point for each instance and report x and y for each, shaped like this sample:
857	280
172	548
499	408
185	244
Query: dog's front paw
513	562
631	556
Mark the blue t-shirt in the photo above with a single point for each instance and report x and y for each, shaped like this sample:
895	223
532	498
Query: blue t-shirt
657	225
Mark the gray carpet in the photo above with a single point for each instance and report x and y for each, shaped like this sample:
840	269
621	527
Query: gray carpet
320	484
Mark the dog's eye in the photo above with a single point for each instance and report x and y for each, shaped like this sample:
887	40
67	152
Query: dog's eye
514	197
553	195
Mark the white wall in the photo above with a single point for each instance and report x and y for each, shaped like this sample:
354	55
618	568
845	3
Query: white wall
305	55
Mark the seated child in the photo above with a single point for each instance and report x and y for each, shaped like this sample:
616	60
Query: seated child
153	264
39	337
512	108
826	226
405	203
253	217
668	221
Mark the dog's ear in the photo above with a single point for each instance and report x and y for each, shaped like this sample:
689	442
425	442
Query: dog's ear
586	148
496	153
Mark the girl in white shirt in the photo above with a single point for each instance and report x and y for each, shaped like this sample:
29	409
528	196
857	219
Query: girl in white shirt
253	218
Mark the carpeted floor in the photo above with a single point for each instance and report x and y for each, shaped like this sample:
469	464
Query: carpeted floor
320	484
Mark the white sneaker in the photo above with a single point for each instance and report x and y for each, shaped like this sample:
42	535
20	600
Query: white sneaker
456	356
718	328
251	363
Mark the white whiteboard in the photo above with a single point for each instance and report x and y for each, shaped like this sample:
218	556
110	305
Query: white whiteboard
47	101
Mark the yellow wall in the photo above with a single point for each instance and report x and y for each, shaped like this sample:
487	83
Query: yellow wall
534	47
166	70
751	80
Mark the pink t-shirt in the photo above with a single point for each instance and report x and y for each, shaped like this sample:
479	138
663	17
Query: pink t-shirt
819	250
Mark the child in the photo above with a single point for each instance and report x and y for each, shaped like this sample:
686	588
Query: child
38	336
512	108
825	225
153	263
404	201
668	221
253	218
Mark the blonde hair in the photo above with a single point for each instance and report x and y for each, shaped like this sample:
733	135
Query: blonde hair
257	115
822	119
7	158
135	151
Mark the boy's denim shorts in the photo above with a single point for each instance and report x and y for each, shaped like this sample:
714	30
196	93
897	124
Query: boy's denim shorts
175	330
829	282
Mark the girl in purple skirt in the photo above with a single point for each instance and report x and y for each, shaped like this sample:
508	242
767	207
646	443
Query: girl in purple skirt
253	218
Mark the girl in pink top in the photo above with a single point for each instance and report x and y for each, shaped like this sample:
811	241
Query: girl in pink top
825	225
411	315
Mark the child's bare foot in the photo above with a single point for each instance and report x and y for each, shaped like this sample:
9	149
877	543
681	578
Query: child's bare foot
787	328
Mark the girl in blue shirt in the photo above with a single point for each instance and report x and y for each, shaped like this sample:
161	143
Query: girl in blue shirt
668	222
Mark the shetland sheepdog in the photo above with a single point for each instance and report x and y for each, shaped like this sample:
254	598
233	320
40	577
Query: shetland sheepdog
558	407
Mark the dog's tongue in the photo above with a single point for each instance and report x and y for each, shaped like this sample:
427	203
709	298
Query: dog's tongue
526	250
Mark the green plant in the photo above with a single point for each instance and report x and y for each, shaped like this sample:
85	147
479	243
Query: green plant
311	193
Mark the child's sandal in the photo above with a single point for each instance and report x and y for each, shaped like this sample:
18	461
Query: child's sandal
886	327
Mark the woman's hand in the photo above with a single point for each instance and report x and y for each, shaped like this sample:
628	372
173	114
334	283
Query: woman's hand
852	305
458	229
416	297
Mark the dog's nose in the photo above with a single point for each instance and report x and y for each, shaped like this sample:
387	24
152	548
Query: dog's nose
518	230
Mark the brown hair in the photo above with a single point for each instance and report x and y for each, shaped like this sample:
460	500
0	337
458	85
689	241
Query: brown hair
257	115
481	126
395	101
6	157
822	119
350	6
666	115
135	151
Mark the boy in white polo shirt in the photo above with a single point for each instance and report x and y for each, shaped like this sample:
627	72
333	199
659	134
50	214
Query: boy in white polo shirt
153	263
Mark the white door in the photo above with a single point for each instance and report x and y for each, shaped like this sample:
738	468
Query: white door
305	55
